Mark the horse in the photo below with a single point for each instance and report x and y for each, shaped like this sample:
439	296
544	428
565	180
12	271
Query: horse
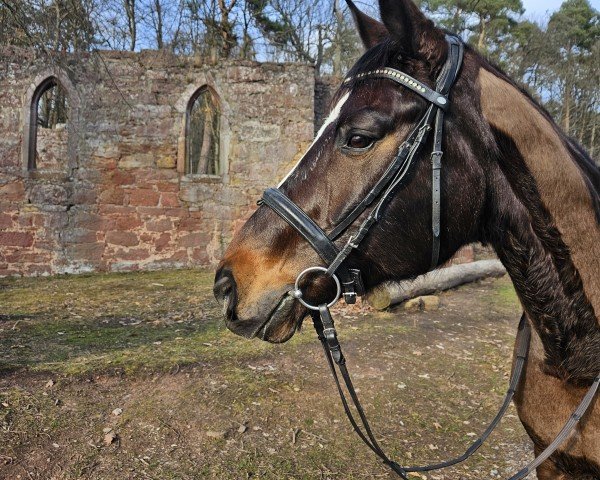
511	179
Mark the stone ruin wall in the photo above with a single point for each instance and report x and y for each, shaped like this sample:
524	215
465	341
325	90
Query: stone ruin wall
112	195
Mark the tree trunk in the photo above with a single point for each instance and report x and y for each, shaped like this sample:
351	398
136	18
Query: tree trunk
159	24
337	57
207	139
443	279
582	127
456	20
482	34
247	43
57	27
593	140
131	22
320	48
567	115
567	93
226	28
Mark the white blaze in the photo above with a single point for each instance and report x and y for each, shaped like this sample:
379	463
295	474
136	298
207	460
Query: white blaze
333	116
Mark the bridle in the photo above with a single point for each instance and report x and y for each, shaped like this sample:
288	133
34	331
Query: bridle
348	281
383	190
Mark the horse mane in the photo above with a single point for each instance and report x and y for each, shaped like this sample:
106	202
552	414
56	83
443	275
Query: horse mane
385	54
379	56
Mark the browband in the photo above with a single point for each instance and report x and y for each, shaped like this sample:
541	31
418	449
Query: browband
438	99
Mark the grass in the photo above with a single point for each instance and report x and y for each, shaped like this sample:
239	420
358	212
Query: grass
77	325
126	322
153	344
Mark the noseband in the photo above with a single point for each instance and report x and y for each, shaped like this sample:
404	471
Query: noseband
349	283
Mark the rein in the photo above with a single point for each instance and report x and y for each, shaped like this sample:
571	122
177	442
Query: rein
349	282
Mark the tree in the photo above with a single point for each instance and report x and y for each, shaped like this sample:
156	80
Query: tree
482	19
573	65
53	26
130	12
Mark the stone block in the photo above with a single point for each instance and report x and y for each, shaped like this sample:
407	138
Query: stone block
190	224
159	211
13	191
87	220
49	195
22	256
143	197
84	196
112	195
139	160
159	225
6	221
134	254
162	242
91	253
79	235
169	199
127	222
122	177
124	239
36	270
166	162
200	256
191	240
167	186
16	239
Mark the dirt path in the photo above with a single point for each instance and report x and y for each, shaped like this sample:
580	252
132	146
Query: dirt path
144	359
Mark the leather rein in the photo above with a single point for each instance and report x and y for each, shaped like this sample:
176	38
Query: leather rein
349	283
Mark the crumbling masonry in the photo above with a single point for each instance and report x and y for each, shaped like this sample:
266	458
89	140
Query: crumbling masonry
109	190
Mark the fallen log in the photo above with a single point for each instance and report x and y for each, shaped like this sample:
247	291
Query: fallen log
392	293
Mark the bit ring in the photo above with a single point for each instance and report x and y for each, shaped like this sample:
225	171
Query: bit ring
297	292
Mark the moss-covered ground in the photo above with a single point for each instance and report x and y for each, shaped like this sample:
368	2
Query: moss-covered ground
145	358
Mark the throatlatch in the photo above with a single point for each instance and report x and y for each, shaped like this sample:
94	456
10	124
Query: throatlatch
348	281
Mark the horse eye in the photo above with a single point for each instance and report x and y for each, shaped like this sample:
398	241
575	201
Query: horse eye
360	142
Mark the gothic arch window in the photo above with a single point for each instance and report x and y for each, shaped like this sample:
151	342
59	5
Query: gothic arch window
48	133
203	134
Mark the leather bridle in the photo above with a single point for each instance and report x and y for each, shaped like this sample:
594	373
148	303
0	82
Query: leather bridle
348	281
384	189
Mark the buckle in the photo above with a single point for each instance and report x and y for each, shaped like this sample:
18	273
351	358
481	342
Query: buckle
334	345
436	159
359	286
350	297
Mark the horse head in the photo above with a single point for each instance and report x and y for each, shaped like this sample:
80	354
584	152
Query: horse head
370	119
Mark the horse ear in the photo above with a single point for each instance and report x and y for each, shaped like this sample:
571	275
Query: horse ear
415	34
370	30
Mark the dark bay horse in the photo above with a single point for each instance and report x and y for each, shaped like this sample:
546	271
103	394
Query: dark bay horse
511	179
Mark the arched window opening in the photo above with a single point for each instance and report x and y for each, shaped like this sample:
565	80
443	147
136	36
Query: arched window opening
48	135
203	126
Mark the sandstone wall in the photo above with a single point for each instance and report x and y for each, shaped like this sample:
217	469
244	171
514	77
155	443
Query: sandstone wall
118	199
325	88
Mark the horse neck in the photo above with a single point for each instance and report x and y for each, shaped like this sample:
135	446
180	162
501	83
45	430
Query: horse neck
545	229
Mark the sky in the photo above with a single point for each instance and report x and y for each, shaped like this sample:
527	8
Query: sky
540	7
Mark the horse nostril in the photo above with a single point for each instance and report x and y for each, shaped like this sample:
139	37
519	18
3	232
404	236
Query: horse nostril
223	288
225	291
